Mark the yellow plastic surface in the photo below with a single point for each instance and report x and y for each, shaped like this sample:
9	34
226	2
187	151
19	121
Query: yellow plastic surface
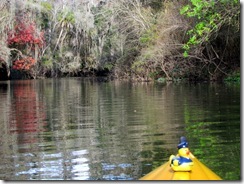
199	172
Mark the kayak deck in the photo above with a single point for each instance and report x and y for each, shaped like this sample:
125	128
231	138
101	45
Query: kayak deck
199	172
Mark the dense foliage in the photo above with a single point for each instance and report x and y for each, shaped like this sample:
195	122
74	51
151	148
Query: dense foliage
214	36
131	39
25	41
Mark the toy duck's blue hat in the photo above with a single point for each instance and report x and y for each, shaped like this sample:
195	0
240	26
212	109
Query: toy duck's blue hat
183	143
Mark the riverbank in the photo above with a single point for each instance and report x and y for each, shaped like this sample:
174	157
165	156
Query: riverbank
128	39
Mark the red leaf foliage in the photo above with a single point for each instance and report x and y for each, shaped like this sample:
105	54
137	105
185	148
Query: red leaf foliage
25	33
24	64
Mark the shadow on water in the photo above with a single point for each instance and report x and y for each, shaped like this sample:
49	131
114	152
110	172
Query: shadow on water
214	129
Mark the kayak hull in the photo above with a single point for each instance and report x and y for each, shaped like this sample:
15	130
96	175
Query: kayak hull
199	172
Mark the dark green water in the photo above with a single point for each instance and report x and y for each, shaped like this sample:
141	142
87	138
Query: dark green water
81	129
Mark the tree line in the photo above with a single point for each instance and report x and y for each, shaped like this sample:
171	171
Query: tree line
127	39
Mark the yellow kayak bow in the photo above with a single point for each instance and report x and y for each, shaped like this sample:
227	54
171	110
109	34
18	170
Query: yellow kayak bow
199	172
168	171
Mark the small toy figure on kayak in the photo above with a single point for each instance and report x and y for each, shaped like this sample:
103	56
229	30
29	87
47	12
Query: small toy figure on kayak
182	161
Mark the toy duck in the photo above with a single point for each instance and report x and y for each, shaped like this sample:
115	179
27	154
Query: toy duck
182	161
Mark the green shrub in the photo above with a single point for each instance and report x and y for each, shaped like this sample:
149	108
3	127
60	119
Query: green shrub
234	77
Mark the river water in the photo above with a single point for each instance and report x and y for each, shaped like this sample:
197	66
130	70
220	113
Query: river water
83	129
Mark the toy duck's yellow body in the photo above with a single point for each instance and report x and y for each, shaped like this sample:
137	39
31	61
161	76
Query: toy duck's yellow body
182	161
